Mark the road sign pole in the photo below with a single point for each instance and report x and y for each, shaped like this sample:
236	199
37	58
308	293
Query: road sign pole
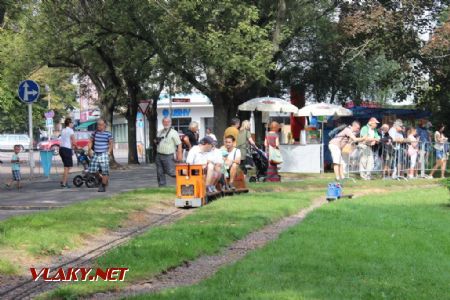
30	126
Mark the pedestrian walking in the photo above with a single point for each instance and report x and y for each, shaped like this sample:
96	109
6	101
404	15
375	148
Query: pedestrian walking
99	148
243	141
167	143
65	150
15	169
441	147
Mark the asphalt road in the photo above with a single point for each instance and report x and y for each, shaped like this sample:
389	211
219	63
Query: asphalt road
41	194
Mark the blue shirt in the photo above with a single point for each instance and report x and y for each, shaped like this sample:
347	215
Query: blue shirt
100	141
423	134
15	166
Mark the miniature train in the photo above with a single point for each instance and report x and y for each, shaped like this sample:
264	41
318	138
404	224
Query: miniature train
191	187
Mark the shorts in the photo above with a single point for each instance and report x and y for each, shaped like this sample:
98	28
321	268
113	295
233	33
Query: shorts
16	175
336	154
100	161
440	154
66	157
413	161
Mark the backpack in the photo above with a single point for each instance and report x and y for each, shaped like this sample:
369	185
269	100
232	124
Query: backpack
336	130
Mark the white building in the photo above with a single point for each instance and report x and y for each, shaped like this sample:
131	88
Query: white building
182	108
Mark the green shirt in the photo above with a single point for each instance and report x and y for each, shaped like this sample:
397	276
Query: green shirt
242	141
365	132
169	142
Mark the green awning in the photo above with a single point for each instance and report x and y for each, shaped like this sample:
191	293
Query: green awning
85	125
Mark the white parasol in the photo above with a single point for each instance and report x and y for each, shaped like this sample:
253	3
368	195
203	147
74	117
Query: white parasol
323	109
268	104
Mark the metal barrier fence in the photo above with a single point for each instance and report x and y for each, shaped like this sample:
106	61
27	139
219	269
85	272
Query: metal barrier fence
397	160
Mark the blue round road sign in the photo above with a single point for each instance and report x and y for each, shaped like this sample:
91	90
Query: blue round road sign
29	91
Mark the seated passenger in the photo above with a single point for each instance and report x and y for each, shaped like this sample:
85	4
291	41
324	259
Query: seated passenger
232	159
203	154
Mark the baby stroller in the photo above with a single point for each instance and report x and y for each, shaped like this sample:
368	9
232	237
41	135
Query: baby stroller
261	163
87	178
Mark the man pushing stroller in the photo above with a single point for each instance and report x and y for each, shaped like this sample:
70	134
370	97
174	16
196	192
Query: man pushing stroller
99	148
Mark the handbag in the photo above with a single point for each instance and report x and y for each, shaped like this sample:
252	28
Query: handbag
348	148
275	156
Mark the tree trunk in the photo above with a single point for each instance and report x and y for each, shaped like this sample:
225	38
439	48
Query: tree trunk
224	111
133	92
152	118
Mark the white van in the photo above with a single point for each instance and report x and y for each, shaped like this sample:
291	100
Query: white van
7	141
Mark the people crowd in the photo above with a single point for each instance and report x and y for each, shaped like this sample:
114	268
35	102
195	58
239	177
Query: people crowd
397	151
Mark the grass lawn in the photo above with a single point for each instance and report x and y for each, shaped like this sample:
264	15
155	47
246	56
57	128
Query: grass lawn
206	231
48	233
389	246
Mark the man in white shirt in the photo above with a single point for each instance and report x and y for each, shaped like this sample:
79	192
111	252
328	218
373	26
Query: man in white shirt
396	133
203	154
232	160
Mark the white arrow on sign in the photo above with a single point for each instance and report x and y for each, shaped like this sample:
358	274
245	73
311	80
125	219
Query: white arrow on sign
26	92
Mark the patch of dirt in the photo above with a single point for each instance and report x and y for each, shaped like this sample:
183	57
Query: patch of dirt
193	272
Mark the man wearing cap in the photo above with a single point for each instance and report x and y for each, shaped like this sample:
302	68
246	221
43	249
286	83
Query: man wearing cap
396	133
203	154
366	162
167	143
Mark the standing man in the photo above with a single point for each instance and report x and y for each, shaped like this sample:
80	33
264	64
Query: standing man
233	130
396	133
366	162
99	148
424	145
167	143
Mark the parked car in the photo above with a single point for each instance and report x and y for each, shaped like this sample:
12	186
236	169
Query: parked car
7	141
81	141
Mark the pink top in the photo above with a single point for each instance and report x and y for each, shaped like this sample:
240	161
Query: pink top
343	137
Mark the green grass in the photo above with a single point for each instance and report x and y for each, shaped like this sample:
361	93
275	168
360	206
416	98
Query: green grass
7	268
208	230
391	246
48	233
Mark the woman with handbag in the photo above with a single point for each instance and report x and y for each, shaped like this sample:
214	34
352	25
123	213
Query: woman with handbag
341	146
272	143
441	154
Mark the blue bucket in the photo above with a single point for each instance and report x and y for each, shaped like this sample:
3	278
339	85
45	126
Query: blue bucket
334	190
46	161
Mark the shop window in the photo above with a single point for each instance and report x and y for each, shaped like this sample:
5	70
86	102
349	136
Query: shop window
209	123
181	124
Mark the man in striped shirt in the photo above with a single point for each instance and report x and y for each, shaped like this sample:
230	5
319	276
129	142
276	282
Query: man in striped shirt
168	142
101	144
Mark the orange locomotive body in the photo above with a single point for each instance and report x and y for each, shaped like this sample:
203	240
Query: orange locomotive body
191	189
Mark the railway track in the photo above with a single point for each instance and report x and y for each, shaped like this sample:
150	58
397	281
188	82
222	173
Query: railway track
29	288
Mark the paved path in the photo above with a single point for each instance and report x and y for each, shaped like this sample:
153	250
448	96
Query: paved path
42	194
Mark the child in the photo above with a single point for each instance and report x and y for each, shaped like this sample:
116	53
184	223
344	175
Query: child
15	168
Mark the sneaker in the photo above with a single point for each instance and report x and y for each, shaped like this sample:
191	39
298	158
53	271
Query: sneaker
209	189
232	187
61	184
101	188
7	186
65	186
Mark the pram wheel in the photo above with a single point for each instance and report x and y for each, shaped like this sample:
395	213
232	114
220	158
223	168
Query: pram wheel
252	179
78	181
92	181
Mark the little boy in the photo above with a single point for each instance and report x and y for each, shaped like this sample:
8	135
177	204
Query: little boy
15	168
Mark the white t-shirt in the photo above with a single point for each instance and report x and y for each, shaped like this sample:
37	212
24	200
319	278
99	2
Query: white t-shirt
66	133
196	157
216	156
234	155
